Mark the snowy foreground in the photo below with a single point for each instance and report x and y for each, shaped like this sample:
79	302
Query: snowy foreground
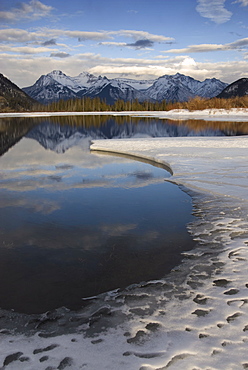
234	114
205	325
195	318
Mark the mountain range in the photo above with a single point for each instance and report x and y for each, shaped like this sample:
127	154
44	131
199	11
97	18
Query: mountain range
57	85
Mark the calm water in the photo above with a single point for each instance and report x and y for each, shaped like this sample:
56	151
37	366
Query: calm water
75	224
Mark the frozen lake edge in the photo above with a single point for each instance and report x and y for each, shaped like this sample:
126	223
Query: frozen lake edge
234	114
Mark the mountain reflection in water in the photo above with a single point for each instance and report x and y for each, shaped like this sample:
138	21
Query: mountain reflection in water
75	224
52	131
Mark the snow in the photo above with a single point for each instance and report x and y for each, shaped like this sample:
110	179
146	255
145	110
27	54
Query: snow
76	83
234	114
136	84
195	318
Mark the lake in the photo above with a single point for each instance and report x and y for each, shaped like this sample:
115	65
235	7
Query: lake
75	224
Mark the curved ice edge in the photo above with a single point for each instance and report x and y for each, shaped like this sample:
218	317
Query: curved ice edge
146	159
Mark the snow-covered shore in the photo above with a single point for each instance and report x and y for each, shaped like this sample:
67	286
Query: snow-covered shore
215	172
234	114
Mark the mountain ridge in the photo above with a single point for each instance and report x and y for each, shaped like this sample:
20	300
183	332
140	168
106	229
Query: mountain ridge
237	88
12	97
57	85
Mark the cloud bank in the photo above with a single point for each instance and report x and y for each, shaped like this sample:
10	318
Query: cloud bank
238	44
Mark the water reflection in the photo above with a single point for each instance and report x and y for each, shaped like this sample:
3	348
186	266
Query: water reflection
110	125
61	133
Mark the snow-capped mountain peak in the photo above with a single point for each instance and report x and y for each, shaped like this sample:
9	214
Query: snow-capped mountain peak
179	87
57	85
65	80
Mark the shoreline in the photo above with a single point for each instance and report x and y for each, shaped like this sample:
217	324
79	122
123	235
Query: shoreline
234	114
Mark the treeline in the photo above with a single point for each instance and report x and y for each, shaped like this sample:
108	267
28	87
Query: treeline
99	105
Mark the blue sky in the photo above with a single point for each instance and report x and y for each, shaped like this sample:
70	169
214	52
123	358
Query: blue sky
129	38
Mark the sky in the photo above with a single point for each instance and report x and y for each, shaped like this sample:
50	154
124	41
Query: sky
140	39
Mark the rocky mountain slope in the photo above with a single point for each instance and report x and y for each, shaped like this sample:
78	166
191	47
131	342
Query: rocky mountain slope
182	88
237	88
12	97
56	85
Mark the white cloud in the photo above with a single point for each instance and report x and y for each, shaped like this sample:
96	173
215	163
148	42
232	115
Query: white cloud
214	10
242	2
238	43
26	11
112	43
25	49
141	35
84	35
18	35
139	44
188	62
132	11
197	48
106	35
211	47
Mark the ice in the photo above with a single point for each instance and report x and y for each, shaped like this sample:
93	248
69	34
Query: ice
210	164
194	318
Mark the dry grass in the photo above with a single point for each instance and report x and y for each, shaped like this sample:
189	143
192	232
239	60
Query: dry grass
215	103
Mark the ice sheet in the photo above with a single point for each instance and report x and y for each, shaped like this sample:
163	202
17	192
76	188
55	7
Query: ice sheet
208	164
